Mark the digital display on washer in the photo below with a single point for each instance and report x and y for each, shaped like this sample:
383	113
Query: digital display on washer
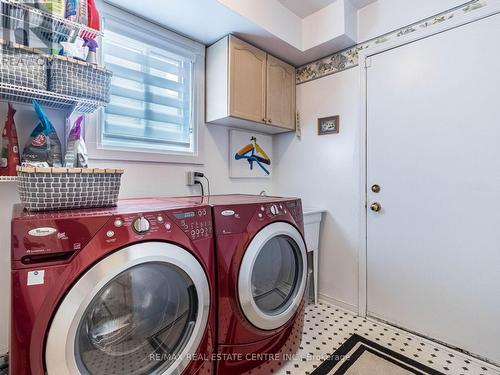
184	215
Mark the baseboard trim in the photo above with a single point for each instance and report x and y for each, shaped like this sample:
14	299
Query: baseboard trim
349	307
480	360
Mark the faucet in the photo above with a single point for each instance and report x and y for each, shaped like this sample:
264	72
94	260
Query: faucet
263	193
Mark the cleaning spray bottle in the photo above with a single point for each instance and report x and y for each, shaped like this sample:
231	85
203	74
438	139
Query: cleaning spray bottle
10	147
92	44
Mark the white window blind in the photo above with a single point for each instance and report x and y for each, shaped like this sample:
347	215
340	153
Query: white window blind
151	106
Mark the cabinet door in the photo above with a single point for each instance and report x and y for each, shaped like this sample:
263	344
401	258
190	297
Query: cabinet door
247	81
280	93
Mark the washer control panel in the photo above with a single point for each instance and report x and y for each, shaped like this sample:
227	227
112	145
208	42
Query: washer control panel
195	223
141	225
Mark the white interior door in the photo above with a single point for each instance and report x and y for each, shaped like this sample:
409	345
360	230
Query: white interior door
433	147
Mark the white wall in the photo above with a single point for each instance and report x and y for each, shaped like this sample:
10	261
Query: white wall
272	16
156	179
324	25
139	180
324	171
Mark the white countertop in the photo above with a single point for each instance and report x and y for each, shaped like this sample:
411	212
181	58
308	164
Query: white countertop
312	210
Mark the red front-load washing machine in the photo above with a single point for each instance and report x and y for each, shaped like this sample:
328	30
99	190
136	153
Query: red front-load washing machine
261	267
126	290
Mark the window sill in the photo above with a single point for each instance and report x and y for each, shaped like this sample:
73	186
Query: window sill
96	153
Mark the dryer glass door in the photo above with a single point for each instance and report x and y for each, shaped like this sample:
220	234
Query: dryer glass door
273	276
146	318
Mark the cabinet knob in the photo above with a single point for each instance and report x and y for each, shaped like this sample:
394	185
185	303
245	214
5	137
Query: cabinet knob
264	119
269	121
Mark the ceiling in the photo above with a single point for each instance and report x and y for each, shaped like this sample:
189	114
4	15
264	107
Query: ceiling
304	8
279	33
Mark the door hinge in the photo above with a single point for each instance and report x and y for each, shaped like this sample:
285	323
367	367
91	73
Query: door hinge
368	62
298	129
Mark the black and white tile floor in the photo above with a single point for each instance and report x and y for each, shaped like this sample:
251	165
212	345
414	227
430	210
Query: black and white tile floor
327	327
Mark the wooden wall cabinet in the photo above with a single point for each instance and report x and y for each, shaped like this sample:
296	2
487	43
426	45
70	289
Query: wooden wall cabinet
248	88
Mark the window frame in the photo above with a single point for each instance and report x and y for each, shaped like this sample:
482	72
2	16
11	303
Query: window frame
148	31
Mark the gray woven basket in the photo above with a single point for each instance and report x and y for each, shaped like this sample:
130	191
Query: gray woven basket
77	78
44	189
22	66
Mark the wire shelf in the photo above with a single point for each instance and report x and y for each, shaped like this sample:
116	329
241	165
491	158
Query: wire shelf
13	93
18	15
23	20
8	178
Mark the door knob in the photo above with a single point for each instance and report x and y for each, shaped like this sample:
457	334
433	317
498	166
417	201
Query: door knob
376	188
375	207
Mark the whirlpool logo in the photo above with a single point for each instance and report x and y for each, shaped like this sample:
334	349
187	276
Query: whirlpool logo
42	232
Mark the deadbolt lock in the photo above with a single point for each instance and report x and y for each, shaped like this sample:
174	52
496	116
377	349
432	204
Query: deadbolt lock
376	188
375	207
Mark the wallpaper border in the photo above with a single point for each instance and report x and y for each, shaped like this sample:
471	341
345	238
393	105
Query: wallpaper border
348	58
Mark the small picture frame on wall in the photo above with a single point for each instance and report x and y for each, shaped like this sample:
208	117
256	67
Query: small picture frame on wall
329	125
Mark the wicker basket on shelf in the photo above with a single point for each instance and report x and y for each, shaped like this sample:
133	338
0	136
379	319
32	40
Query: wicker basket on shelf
68	76
23	66
43	189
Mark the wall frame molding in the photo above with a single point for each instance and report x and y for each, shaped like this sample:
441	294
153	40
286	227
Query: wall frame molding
364	59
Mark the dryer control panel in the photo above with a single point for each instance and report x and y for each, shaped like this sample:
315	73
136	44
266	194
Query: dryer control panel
271	210
239	218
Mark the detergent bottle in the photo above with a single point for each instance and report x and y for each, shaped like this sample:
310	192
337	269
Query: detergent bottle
10	148
93	18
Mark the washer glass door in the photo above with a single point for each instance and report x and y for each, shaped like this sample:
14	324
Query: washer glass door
272	276
138	322
142	310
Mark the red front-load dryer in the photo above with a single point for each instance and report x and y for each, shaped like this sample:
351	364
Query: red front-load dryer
126	290
261	267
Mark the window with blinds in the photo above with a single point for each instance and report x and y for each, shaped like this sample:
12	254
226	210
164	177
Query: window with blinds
151	108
